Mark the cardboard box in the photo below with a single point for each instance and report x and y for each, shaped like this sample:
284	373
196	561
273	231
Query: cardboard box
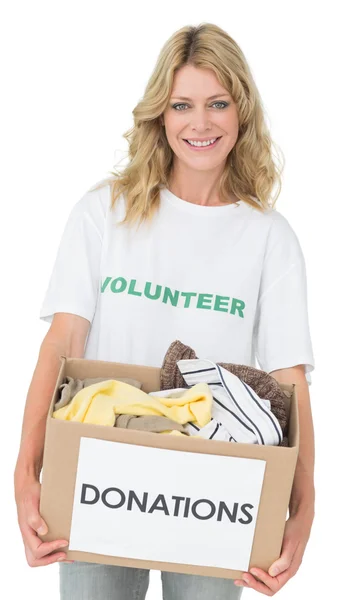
157	495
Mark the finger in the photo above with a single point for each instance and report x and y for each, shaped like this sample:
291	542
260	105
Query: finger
274	583
32	516
258	586
45	548
283	563
34	520
39	548
47	560
42	529
292	570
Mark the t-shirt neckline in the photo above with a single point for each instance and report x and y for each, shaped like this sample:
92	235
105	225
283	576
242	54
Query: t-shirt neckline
198	209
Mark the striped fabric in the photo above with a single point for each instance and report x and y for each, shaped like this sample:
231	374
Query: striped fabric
238	414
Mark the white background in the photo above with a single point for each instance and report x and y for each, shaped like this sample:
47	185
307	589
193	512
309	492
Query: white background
71	73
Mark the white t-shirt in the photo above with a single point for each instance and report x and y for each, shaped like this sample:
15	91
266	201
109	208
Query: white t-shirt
228	281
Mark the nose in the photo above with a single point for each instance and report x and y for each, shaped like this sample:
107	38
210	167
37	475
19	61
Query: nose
200	120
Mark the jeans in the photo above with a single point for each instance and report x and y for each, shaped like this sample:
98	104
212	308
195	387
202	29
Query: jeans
92	581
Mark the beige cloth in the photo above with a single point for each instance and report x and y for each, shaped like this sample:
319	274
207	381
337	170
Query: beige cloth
153	423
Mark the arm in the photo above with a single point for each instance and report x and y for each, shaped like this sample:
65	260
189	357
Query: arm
303	494
66	336
301	506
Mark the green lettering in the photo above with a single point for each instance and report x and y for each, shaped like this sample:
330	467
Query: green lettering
188	296
237	305
121	288
220	302
148	294
105	284
204	298
169	295
132	290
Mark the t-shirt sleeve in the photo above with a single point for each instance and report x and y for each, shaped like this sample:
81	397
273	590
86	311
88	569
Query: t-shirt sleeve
74	280
282	334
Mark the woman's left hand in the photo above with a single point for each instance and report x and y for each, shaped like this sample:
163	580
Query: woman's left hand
296	535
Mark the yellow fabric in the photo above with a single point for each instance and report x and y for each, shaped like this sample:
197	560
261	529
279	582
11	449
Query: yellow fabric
101	402
175	432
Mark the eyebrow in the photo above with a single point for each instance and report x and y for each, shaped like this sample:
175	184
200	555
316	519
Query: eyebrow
211	97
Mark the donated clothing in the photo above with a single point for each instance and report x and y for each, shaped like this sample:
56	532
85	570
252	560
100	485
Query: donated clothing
235	404
230	281
238	413
175	393
101	402
70	387
175	432
263	384
152	423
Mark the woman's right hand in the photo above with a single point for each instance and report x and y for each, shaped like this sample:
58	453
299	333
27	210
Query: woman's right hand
38	553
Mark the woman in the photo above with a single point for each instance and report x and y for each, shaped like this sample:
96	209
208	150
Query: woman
183	244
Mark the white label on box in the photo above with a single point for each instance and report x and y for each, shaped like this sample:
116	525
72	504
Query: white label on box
165	505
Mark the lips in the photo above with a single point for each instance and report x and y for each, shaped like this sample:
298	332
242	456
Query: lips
212	138
202	147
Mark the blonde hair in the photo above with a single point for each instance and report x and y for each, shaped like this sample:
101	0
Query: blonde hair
250	172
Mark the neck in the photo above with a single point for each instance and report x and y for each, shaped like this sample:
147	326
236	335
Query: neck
197	187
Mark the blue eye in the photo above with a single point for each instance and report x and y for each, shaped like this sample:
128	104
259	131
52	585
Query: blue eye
225	104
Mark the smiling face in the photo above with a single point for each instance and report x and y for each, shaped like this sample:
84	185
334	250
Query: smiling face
193	114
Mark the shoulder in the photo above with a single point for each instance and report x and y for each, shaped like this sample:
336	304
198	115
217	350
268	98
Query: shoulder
280	228
282	239
95	205
270	223
277	234
272	220
88	214
96	199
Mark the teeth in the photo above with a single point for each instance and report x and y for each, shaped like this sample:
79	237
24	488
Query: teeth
207	143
